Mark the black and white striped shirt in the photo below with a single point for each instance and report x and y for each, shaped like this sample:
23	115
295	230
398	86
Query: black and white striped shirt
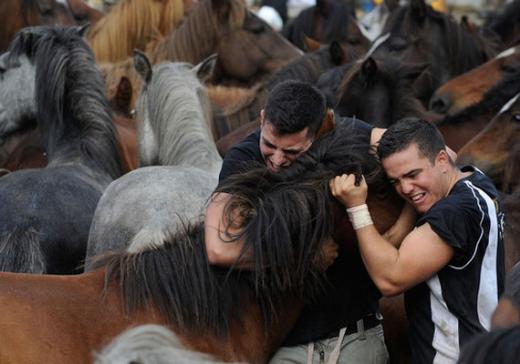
456	303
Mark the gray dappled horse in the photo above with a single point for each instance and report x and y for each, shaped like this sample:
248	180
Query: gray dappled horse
173	131
49	75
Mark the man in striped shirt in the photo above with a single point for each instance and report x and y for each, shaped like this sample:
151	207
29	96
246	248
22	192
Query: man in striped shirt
451	265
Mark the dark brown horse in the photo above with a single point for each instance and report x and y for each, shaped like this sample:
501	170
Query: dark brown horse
418	34
469	88
327	21
17	14
231	314
506	24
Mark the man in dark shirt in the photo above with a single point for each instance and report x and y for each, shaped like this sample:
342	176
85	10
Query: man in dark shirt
343	324
451	265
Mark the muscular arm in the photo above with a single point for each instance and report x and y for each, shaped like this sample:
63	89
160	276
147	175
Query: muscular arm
421	255
219	249
393	270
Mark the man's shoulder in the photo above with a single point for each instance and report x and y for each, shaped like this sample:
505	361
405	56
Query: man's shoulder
242	156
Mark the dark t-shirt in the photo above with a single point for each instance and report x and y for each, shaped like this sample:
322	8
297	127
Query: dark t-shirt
452	306
350	293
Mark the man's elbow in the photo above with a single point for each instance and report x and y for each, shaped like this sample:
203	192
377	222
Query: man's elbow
389	288
215	255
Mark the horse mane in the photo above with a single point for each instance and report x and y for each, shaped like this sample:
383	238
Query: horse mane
338	18
70	97
180	113
132	24
491	101
339	151
195	38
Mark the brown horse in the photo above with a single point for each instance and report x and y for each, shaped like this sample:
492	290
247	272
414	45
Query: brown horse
496	149
17	14
469	88
248	49
132	24
233	315
83	13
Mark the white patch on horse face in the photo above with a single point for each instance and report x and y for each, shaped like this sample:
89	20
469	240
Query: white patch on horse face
506	53
17	99
508	104
375	45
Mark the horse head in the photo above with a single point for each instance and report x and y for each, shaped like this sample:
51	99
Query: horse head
419	34
173	114
469	88
379	91
495	150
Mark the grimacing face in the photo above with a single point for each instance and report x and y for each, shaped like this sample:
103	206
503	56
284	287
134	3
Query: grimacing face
280	151
416	179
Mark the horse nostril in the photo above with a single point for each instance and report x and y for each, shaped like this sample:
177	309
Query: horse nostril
440	104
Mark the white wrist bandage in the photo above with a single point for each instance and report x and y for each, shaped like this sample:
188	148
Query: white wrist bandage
359	216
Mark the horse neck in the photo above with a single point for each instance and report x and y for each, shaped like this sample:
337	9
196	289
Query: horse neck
182	129
76	125
193	41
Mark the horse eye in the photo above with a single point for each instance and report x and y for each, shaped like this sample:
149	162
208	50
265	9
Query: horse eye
516	116
255	25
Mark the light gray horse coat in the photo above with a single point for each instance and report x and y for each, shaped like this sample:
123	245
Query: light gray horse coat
173	117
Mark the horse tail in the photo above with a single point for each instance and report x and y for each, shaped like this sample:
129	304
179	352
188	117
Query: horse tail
20	252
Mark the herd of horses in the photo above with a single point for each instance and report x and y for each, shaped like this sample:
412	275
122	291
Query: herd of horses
169	86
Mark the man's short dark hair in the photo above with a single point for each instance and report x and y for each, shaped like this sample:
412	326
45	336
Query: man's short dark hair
292	106
408	131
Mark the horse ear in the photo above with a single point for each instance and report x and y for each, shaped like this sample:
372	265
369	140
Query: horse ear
204	70
310	44
418	10
82	30
142	65
337	55
123	97
369	68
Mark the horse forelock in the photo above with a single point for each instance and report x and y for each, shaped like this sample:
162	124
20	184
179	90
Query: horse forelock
70	96
179	113
132	24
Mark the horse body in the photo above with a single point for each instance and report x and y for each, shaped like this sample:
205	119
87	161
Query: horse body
78	135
